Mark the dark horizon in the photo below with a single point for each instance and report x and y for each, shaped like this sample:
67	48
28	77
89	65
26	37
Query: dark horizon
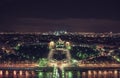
43	16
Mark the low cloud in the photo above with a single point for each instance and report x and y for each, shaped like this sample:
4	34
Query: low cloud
70	24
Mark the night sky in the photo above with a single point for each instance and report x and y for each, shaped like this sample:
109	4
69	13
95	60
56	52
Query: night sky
51	15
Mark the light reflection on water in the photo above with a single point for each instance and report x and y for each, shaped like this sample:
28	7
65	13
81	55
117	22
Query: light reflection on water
77	74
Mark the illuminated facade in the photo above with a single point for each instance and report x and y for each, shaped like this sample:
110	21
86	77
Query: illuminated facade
59	55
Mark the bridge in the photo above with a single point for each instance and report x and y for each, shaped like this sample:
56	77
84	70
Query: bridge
82	71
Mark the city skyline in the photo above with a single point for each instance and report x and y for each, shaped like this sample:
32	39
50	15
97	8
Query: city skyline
46	56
